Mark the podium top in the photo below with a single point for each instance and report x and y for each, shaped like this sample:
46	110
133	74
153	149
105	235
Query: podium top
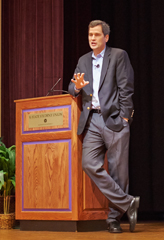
44	98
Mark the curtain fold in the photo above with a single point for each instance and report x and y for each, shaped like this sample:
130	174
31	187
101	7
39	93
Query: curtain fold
32	54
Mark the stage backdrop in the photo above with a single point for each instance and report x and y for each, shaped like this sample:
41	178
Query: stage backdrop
32	54
136	26
32	60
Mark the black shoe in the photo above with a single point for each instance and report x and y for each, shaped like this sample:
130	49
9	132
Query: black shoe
132	212
114	227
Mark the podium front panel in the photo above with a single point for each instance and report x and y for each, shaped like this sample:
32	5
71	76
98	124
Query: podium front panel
50	183
46	176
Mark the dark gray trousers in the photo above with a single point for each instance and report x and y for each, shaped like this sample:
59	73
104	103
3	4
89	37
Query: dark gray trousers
98	139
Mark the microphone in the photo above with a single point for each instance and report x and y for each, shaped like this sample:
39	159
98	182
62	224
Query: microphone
97	66
51	90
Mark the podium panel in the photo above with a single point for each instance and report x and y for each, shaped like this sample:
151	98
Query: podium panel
50	183
46	176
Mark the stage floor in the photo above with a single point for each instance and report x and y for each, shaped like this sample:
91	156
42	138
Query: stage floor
144	230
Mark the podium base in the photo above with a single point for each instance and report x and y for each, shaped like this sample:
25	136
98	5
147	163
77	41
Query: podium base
63	226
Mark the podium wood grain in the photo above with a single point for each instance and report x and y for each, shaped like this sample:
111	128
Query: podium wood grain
46	176
50	183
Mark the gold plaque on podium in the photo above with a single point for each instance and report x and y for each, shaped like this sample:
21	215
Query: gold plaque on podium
46	119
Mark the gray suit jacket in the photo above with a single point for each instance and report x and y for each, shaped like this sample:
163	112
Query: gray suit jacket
115	90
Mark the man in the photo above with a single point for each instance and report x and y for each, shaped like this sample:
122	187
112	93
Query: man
104	78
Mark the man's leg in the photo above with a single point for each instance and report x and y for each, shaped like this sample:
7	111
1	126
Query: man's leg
118	155
93	158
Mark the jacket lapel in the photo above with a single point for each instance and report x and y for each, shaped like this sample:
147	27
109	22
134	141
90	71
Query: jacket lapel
105	65
89	72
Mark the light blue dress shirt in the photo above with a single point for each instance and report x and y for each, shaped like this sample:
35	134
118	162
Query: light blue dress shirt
97	62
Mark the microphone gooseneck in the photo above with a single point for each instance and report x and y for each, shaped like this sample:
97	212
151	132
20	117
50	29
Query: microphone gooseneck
51	90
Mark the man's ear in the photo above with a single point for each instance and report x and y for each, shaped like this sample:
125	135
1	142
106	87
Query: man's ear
107	38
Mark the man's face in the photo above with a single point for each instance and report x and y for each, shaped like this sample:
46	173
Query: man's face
97	40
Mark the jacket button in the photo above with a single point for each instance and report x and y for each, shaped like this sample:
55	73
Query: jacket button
88	108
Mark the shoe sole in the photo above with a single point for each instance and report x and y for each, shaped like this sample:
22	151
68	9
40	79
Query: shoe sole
115	231
137	203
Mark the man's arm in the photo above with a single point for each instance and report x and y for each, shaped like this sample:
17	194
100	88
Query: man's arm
125	83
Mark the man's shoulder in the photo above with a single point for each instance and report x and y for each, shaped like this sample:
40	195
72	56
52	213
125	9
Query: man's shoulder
118	53
113	51
117	50
87	55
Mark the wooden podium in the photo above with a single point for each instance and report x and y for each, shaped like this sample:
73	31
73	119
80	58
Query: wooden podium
50	183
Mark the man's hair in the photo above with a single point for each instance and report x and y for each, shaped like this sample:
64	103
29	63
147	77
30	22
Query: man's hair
104	25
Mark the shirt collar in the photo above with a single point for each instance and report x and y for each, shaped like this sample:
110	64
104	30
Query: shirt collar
100	54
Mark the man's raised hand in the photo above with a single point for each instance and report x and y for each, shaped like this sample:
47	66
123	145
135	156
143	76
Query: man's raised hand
79	81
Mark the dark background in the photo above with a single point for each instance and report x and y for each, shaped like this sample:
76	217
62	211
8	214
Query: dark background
137	26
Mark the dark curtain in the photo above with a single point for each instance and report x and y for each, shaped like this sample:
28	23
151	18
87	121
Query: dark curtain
32	60
32	54
136	26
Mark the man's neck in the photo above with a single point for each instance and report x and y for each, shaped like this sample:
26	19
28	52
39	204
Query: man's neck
96	52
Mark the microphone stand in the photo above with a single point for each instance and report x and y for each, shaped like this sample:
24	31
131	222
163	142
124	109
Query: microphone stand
51	90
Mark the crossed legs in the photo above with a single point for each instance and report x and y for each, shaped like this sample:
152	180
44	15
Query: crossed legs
97	141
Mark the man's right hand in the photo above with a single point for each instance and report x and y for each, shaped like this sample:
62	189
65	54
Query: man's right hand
79	81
